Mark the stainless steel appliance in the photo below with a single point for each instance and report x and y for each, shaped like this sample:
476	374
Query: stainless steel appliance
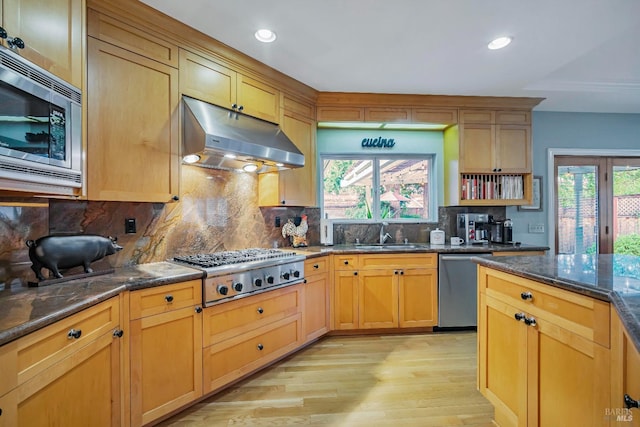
457	290
501	232
218	138
40	129
235	274
473	227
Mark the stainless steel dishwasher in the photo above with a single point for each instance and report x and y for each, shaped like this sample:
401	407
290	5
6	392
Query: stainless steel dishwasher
457	290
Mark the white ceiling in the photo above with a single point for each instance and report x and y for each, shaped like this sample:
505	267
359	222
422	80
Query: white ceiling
581	55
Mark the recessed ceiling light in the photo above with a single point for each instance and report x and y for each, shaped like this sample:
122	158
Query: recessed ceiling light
499	43
250	167
230	156
265	36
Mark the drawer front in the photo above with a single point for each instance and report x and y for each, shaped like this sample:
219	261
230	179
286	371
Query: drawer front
237	357
230	319
345	262
41	349
316	266
583	315
160	299
399	261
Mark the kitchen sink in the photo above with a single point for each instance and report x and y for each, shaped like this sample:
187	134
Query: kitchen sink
377	246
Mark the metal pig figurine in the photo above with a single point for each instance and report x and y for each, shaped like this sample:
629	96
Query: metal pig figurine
64	252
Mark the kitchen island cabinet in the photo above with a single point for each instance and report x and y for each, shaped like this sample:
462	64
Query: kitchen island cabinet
52	33
132	114
542	352
625	375
165	349
66	374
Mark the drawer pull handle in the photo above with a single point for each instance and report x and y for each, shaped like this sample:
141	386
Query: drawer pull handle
401	272
520	317
260	347
346	263
630	403
198	309
530	321
316	266
74	334
168	298
118	333
260	310
526	295
395	272
355	273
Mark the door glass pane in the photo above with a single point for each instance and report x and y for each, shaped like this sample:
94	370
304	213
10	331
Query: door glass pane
404	189
626	207
347	188
577	216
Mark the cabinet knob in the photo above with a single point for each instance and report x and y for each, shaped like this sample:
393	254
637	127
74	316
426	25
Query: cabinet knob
234	106
355	273
118	333
15	42
175	198
240	107
401	272
74	334
304	280
3	33
316	266
395	272
283	202
630	403
519	316
530	321
198	309
346	263
260	347
260	310
168	298
526	295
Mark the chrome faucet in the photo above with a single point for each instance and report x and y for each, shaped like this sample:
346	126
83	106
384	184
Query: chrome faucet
384	236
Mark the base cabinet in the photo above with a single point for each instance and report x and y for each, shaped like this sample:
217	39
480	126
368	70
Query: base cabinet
625	376
316	298
165	347
385	291
542	356
64	381
242	336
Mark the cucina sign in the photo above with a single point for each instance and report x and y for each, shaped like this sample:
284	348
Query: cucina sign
378	142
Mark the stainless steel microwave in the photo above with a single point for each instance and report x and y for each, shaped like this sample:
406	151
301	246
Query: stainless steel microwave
40	129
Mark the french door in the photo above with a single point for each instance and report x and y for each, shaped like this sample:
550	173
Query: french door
597	206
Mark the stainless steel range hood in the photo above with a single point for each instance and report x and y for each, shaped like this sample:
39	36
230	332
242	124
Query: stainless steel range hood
224	139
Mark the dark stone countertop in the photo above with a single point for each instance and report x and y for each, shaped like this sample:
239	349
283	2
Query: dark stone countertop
24	310
614	278
370	248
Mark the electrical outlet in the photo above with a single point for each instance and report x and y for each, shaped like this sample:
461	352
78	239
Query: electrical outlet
536	228
277	221
129	225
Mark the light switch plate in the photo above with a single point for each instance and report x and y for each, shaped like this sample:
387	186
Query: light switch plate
536	228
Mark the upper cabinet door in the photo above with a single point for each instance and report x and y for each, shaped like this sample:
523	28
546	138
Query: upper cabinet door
52	31
205	80
132	116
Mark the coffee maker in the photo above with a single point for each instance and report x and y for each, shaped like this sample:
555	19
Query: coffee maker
501	232
473	228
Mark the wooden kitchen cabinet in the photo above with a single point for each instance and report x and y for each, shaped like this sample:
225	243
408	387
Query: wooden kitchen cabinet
488	148
315	311
625	375
212	82
165	349
66	374
385	291
133	126
52	32
293	187
244	335
537	370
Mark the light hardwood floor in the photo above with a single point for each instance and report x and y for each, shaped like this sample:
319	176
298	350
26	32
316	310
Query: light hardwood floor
389	380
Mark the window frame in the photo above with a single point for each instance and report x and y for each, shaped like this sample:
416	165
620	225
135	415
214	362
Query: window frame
432	215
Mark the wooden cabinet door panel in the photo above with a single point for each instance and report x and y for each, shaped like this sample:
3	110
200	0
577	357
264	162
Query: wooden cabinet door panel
514	149
258	99
378	299
160	299
435	115
204	79
298	186
345	309
387	114
316	306
166	363
418	298
502	368
340	114
80	390
132	151
477	149
52	31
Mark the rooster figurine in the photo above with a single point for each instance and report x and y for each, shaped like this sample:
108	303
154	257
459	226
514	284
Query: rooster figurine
298	234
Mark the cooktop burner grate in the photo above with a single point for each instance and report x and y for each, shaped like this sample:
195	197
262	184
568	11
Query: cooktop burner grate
217	259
